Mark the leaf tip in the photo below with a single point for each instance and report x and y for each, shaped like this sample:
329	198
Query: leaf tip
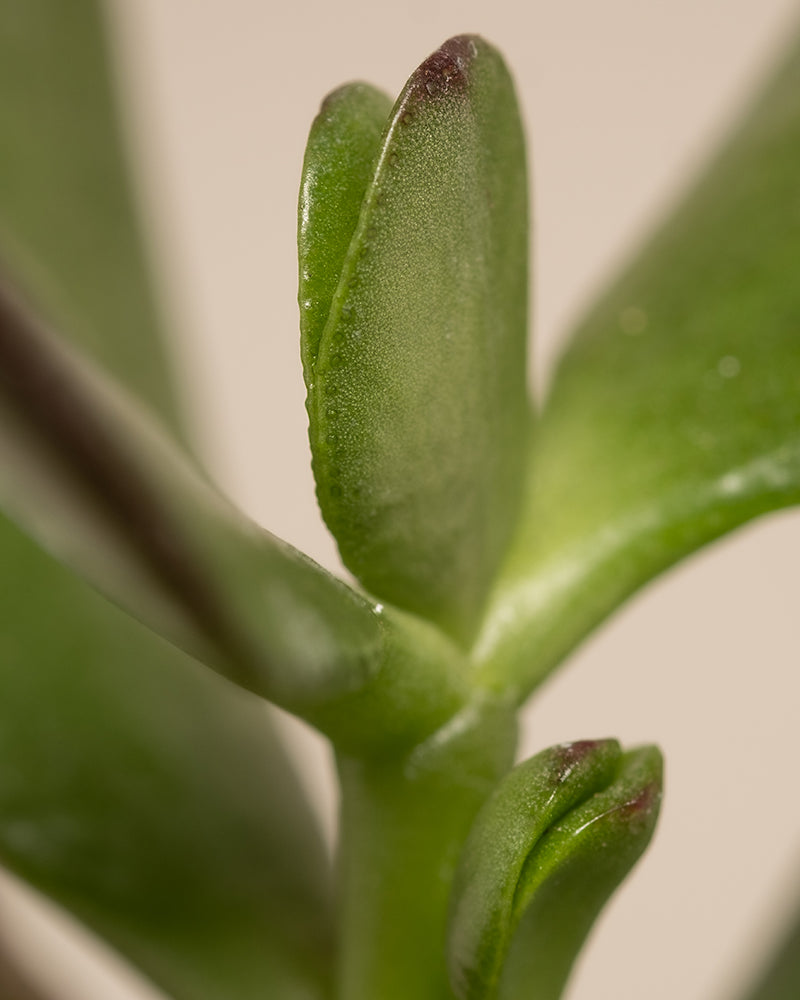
445	71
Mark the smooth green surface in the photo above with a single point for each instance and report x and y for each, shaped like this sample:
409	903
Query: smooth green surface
90	476
525	804
417	399
573	872
150	797
404	819
339	163
674	415
548	848
147	796
67	226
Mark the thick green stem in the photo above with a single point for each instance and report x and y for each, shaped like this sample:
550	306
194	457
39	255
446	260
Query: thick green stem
404	820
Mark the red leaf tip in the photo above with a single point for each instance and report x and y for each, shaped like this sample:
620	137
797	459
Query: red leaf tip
445	71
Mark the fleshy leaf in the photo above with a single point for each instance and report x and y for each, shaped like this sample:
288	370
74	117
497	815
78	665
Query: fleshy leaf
674	415
417	398
146	796
547	850
67	226
150	798
88	474
339	163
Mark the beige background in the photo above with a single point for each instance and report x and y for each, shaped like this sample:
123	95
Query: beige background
621	100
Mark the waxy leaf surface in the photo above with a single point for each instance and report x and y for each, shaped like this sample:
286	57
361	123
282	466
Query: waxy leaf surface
674	415
417	393
150	798
89	473
549	847
68	230
145	795
90	476
339	163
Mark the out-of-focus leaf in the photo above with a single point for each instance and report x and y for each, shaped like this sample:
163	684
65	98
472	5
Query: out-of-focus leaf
552	843
674	415
150	798
780	978
417	398
67	226
89	476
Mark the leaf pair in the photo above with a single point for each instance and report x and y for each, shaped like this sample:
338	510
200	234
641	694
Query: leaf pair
413	262
551	844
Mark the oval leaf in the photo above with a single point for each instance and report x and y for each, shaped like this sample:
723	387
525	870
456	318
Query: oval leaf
417	402
674	415
549	847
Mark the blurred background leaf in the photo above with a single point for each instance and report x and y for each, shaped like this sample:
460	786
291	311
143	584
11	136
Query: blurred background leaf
68	228
143	794
674	414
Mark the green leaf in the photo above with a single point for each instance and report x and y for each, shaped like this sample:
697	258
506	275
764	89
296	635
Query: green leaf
674	415
150	798
549	847
89	475
67	225
339	163
417	399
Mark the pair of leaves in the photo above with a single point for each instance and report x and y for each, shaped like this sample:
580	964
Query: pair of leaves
550	845
88	473
672	419
673	416
413	264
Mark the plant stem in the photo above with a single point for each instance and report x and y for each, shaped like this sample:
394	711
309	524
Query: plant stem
403	823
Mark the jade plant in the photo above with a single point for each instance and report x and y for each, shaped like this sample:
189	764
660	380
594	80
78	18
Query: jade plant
145	620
